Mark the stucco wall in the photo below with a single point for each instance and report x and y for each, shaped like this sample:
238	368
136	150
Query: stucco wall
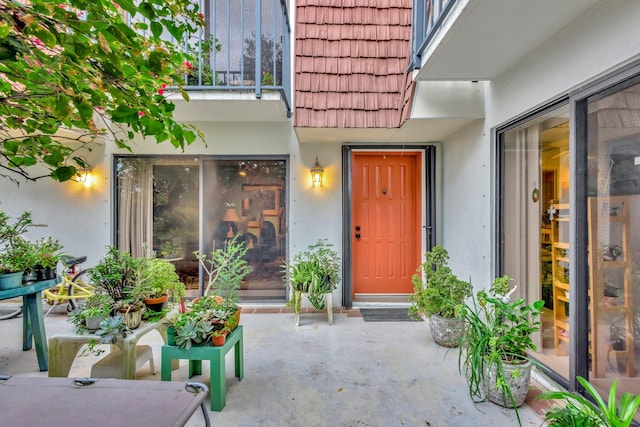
603	39
81	218
466	204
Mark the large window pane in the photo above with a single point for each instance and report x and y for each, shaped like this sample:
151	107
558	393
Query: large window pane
159	214
535	226
613	202
245	199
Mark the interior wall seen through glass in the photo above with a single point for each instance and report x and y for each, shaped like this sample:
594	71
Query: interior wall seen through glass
535	227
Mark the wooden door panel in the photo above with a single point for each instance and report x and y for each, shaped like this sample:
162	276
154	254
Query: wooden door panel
386	201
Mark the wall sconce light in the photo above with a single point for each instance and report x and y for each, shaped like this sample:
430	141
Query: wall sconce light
84	176
316	174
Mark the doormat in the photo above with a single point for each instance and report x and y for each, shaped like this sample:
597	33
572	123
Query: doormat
386	315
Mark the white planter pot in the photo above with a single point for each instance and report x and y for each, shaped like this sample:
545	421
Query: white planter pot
518	377
446	331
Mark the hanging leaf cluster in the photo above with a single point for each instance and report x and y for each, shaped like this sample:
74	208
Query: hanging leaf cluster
72	71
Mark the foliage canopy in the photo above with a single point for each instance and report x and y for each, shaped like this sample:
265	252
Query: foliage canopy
73	71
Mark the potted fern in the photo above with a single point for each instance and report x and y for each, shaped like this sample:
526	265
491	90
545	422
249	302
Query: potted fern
438	293
315	271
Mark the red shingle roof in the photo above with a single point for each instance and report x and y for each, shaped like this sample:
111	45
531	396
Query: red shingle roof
351	59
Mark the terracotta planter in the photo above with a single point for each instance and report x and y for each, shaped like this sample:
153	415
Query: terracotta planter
157	304
219	340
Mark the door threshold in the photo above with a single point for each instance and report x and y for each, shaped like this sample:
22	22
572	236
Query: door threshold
378	300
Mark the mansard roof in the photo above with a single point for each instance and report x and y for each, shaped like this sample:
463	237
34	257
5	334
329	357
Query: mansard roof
351	59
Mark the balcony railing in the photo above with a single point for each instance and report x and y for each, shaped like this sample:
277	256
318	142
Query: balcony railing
245	46
427	19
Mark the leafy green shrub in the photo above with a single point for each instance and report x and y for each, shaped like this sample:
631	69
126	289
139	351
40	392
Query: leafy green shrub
436	290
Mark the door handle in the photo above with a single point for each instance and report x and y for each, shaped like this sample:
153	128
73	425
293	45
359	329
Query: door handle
357	235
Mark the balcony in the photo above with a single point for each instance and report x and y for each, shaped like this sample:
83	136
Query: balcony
241	70
480	40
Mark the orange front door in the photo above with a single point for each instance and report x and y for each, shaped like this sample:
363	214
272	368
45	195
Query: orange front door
386	225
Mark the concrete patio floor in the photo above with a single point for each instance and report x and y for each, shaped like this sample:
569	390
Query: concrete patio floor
352	373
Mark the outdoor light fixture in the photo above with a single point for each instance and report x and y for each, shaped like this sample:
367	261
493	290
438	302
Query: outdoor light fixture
316	174
84	176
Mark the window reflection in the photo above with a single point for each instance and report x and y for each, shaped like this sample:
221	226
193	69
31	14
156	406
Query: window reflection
613	202
158	209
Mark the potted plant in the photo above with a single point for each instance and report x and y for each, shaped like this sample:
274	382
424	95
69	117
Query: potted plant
578	411
494	346
315	271
95	309
48	252
225	269
438	293
111	329
193	331
157	283
116	274
131	310
219	336
16	253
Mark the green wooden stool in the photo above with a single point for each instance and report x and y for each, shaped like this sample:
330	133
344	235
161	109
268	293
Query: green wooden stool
216	358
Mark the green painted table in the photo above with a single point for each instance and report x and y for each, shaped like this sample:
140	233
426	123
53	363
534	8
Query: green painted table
216	358
32	318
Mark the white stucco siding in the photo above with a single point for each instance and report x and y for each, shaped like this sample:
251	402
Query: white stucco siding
82	218
466	204
77	216
603	39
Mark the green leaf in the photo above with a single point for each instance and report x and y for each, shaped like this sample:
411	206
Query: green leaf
124	114
45	36
155	62
62	106
85	109
11	146
4	29
23	160
64	173
189	136
128	6
147	10
156	29
153	127
54	158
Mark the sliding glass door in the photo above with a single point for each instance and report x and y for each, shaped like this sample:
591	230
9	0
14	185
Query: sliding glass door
170	207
